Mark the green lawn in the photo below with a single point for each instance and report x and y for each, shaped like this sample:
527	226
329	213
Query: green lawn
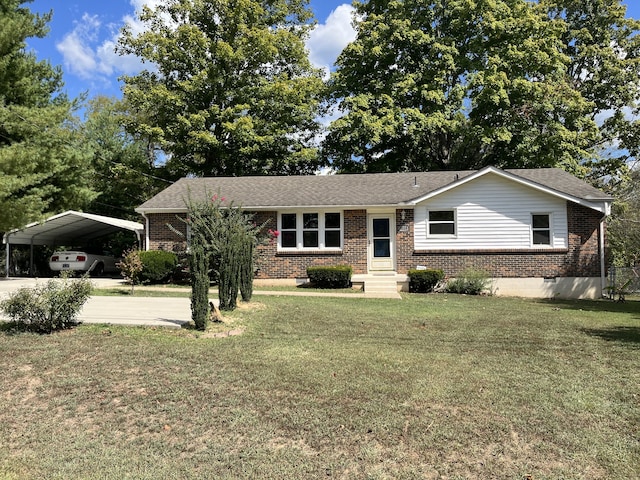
434	386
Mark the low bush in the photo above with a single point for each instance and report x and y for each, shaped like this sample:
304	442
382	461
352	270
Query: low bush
131	267
45	308
423	281
338	276
157	266
471	281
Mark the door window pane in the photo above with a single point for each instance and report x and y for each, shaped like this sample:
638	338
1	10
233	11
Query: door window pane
381	227
381	247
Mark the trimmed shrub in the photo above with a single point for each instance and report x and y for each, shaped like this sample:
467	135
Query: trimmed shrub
157	266
49	307
471	281
337	276
423	281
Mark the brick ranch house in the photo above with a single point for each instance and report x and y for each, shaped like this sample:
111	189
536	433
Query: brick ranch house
537	232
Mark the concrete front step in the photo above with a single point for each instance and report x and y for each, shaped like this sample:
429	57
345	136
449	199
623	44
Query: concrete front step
380	285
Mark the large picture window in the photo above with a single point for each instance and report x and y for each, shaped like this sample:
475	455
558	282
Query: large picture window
310	230
541	229
442	223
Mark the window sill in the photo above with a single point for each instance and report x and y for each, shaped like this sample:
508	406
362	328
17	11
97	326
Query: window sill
289	253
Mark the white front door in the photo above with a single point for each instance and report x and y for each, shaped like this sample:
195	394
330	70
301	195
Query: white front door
381	242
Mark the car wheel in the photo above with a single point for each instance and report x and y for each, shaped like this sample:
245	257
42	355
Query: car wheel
98	271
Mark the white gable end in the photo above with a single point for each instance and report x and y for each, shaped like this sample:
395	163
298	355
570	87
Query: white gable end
491	212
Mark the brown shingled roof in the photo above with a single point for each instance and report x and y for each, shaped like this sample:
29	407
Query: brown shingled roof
353	190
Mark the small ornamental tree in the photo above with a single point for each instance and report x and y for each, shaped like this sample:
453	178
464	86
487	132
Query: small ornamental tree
131	267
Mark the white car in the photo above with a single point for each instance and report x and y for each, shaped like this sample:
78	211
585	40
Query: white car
83	262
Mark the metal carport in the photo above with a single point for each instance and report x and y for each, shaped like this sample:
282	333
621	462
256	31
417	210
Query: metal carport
68	228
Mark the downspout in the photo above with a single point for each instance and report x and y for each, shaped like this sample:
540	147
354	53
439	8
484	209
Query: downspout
146	231
603	278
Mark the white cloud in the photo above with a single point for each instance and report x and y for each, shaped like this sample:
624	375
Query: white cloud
75	48
328	39
91	58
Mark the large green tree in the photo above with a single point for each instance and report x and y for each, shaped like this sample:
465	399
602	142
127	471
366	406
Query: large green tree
44	167
126	171
446	84
603	47
229	89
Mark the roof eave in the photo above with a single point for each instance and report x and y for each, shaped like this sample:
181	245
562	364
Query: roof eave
266	208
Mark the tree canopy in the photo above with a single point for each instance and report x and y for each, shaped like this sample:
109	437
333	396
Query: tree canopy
44	166
229	89
125	168
435	84
603	49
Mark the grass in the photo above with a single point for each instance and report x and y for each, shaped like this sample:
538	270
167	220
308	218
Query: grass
433	386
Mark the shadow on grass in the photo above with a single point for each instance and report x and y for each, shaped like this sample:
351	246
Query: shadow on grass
630	306
616	334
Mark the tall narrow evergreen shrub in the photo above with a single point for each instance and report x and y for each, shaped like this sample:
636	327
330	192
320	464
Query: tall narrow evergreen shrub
247	269
199	276
230	268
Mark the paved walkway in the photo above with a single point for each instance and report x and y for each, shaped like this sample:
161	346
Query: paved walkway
147	311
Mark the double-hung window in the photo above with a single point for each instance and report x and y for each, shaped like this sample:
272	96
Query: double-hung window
288	230
541	229
310	230
441	223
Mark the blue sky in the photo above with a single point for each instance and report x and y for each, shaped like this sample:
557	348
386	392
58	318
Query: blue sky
83	34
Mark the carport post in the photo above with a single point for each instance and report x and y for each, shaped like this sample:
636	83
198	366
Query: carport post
31	260
8	257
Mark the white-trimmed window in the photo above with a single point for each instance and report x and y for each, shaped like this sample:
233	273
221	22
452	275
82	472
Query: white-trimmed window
288	230
541	229
310	230
441	223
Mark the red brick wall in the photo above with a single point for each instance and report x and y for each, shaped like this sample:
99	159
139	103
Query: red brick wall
161	237
580	259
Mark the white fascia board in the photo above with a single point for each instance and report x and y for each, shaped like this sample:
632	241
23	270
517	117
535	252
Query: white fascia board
603	206
270	208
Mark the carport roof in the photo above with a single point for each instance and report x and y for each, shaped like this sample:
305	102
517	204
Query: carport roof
69	228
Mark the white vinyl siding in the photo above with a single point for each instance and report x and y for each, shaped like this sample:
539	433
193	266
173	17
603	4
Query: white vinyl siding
491	213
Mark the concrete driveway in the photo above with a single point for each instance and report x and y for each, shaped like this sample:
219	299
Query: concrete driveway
145	311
